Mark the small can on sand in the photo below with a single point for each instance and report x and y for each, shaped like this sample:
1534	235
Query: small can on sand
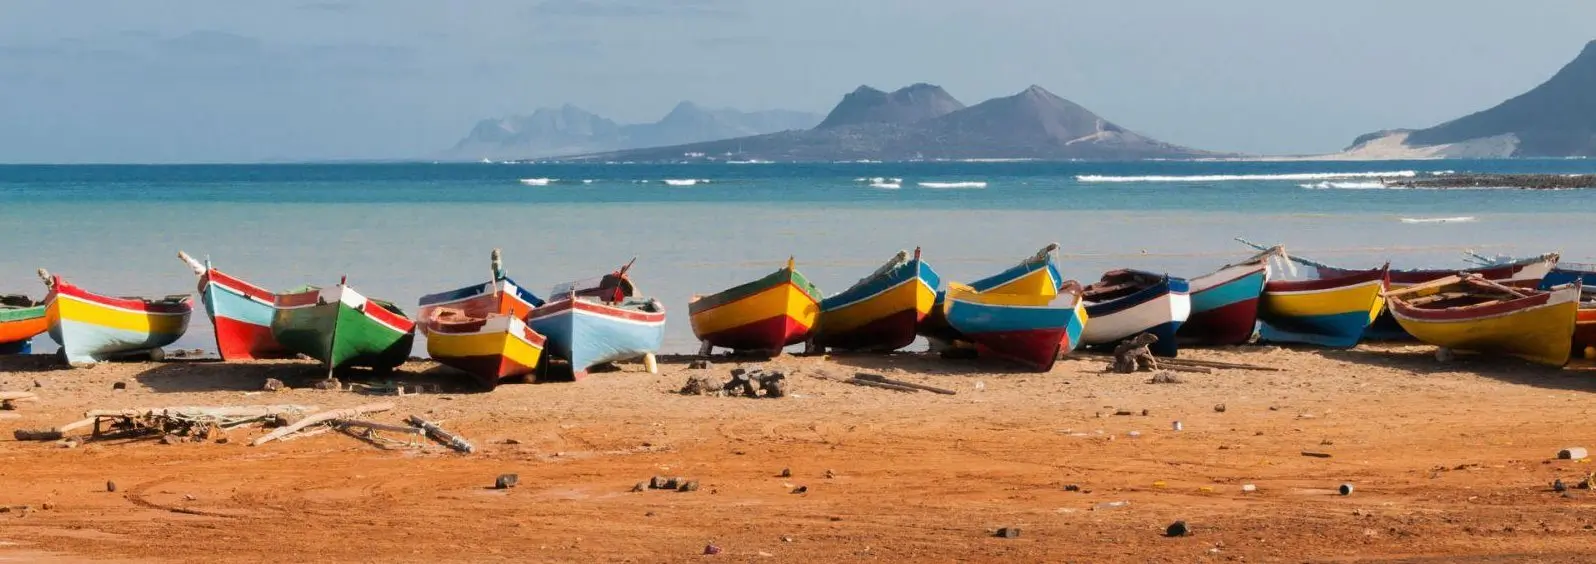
1345	489
1177	426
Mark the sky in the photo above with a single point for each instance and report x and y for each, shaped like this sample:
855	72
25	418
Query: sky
242	81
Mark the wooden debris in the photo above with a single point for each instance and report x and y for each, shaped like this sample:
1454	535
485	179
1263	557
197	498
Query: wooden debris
448	439
322	417
875	384
884	380
1133	355
18	396
1165	363
1316	454
401	429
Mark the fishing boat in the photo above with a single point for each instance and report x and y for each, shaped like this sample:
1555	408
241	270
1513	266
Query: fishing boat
481	329
1329	311
240	312
1561	273
1510	271
91	327
1037	275
1127	303
767	314
340	327
1472	313
589	323
881	312
1584	345
1030	329
1224	303
21	319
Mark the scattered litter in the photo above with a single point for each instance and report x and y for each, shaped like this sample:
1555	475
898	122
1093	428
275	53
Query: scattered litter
506	481
1219	407
800	489
1316	454
110	486
711	549
1177	529
1177	426
1249	488
1072	487
1008	533
1572	453
1345	489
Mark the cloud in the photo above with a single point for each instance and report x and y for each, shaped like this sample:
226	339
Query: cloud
639	8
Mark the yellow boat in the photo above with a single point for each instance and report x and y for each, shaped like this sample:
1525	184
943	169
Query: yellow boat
764	315
1471	313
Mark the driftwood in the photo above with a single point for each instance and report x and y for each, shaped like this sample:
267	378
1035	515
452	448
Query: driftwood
401	429
1165	363
306	434
448	439
874	384
322	418
198	411
1133	355
1184	368
18	396
885	380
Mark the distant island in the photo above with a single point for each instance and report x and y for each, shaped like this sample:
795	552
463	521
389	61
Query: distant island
569	130
922	121
1555	119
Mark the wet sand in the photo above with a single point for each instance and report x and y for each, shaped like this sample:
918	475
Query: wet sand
1451	462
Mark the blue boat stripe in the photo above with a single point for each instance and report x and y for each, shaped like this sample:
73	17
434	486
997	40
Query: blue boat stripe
1242	289
1170	285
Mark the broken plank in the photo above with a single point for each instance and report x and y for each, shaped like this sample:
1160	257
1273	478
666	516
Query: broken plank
886	380
874	384
438	433
323	417
378	426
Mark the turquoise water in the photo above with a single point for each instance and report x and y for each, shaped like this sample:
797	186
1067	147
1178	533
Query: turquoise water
401	230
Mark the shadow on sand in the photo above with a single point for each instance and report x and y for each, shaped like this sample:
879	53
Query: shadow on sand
930	364
180	376
20	363
1577	376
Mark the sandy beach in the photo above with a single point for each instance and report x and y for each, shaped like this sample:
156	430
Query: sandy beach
1449	462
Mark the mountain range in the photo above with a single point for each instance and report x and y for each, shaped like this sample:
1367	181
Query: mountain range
923	121
1555	119
571	130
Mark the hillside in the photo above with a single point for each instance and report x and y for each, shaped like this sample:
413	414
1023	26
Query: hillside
570	130
1555	119
923	122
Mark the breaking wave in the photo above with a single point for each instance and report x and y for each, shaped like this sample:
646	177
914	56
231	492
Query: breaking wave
1328	185
539	181
685	181
1459	219
894	185
1237	177
952	184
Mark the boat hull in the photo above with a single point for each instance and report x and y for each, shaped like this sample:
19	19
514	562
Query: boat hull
1330	312
1536	328
18	327
342	328
1034	277
241	314
92	328
588	333
1386	328
1029	330
491	349
883	314
1585	333
1224	306
1159	309
764	315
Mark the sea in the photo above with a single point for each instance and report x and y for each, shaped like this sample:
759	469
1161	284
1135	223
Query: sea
401	230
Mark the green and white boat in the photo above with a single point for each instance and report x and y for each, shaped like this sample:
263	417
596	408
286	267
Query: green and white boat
340	328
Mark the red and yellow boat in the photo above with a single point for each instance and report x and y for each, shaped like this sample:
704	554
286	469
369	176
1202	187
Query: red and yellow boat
883	311
767	314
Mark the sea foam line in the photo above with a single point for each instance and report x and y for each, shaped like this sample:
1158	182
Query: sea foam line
1459	219
685	181
952	184
539	181
894	185
1328	185
1237	177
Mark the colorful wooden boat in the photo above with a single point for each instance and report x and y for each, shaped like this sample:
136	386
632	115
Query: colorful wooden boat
767	314
881	312
1472	313
481	329
1031	329
21	319
1127	303
1385	328
240	312
1584	345
589	324
92	328
1327	312
1562	272
1224	303
1037	275
340	327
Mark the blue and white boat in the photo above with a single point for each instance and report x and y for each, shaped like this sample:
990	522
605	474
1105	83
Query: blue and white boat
1127	303
592	324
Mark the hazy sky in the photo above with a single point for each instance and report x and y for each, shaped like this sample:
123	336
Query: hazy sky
220	80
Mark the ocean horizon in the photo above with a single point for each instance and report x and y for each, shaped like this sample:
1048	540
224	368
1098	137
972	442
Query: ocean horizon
403	229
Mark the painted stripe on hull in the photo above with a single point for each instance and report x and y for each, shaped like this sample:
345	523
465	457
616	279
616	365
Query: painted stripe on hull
89	331
888	333
1533	328
1161	315
242	325
20	327
89	343
1038	348
1231	324
489	356
1339	330
339	335
767	334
